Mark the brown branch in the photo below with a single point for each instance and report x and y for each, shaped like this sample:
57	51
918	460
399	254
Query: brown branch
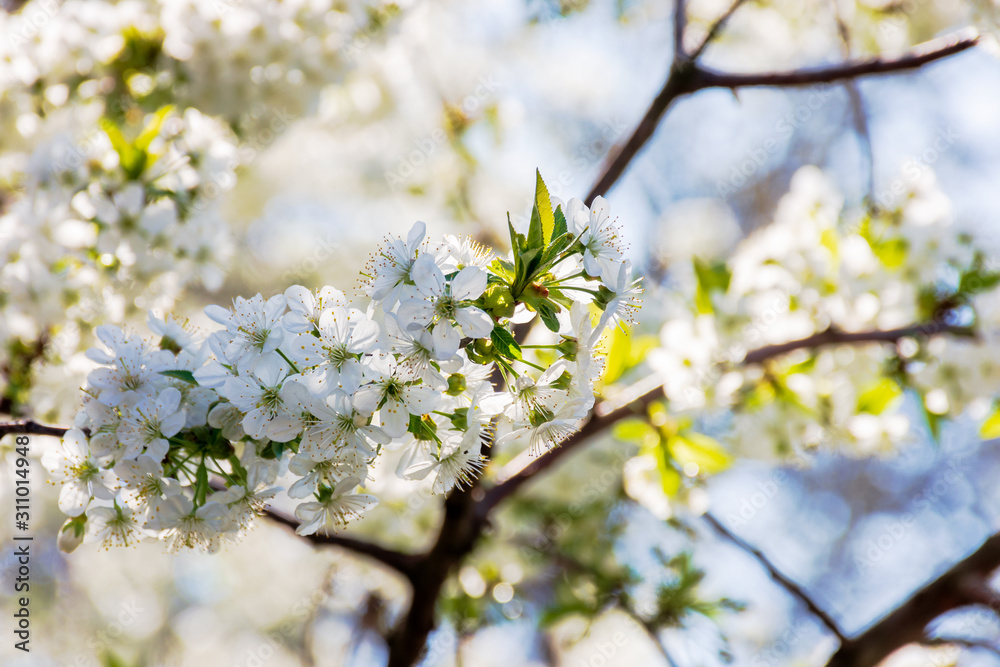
926	53
960	586
793	588
962	642
713	32
680	23
30	427
836	337
401	562
605	417
687	77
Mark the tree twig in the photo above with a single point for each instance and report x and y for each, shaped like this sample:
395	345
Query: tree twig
713	32
836	337
926	53
680	23
963	642
687	77
793	588
605	416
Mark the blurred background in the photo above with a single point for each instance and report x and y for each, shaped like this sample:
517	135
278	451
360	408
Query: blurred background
351	121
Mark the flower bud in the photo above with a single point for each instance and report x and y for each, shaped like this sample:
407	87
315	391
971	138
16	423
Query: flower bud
71	534
456	384
499	300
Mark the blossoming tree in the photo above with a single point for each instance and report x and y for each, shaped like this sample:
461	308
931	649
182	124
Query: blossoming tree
464	371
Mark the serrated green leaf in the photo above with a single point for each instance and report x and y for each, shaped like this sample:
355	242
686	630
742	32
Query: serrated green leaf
504	269
504	343
543	204
547	311
561	227
186	376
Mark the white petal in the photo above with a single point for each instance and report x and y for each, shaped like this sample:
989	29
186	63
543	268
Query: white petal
74	498
446	340
475	322
427	276
470	283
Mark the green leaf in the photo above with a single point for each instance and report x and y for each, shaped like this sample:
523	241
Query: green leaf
633	430
706	452
504	269
891	252
710	278
544	206
548	311
152	128
186	376
200	485
879	396
619	348
991	427
504	343
978	280
561	227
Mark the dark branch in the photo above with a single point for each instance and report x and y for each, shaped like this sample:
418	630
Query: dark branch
680	23
962	642
401	562
835	337
604	417
793	588
713	32
927	53
962	585
30	427
687	77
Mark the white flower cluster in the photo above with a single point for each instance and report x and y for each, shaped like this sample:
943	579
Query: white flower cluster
820	268
121	124
306	384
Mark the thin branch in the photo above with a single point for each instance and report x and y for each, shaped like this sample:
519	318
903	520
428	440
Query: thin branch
793	588
713	32
926	53
980	644
680	23
607	413
857	102
401	562
30	427
961	585
836	337
687	77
